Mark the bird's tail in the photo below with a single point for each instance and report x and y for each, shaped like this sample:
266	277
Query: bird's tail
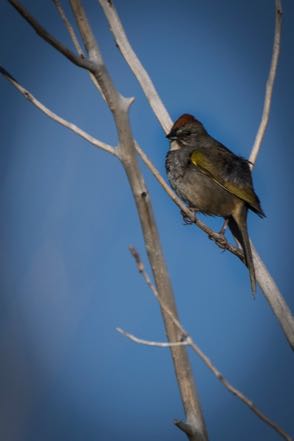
238	226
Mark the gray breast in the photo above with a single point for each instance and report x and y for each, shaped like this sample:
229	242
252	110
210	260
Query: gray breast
198	190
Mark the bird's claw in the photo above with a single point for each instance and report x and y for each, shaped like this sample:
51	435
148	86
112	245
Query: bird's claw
187	220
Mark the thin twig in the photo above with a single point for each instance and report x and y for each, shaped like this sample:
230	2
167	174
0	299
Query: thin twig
135	64
41	31
75	40
152	343
188	340
86	32
69	27
269	85
94	141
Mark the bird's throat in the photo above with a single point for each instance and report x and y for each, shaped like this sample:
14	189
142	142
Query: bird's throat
174	145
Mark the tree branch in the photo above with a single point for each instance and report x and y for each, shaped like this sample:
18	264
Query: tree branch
94	141
69	27
135	64
274	298
77	60
188	340
152	343
119	106
269	84
74	39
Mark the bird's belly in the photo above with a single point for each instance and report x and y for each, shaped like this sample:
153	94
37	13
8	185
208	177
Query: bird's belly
204	194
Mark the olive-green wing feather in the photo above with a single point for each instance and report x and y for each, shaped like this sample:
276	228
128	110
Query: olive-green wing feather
219	167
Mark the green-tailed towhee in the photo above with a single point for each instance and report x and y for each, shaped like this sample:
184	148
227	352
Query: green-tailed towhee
212	179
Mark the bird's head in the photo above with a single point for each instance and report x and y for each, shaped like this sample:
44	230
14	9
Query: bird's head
185	131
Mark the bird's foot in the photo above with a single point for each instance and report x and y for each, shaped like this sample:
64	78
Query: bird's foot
187	220
219	237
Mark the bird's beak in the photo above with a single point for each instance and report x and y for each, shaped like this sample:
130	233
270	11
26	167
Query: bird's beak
171	136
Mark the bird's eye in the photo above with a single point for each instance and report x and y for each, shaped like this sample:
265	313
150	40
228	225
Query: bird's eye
185	133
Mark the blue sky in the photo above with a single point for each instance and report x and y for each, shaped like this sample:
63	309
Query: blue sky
68	216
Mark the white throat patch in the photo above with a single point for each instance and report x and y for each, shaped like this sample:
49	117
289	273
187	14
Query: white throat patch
174	146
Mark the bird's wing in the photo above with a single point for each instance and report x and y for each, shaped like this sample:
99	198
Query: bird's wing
220	169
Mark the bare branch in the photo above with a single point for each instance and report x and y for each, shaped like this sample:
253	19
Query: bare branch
119	106
79	61
75	40
269	85
141	269
187	339
86	33
152	343
68	27
94	141
135	64
116	102
274	297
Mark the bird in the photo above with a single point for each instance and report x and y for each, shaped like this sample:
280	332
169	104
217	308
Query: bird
211	179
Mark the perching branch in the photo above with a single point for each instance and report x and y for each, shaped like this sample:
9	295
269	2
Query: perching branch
187	340
264	279
269	84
